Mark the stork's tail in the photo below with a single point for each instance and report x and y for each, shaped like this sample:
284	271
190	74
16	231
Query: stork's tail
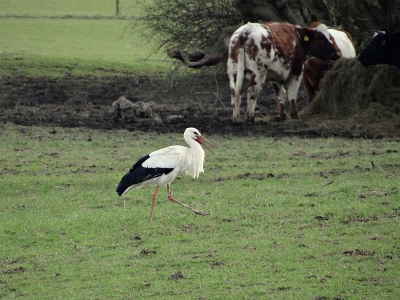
125	184
134	176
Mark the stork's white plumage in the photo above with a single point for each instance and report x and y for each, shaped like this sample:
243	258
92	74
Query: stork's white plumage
162	166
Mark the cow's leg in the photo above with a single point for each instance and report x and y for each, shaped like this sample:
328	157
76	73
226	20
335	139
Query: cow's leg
293	87
310	86
236	85
252	95
280	94
256	80
236	99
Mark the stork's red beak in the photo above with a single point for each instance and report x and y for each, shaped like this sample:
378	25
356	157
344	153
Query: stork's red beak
202	140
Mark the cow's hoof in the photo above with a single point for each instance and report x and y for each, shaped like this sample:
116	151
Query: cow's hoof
294	116
278	118
250	120
235	121
282	116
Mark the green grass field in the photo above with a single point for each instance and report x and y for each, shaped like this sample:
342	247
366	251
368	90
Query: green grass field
44	40
276	230
289	218
63	8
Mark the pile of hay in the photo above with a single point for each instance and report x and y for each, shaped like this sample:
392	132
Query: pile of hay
359	96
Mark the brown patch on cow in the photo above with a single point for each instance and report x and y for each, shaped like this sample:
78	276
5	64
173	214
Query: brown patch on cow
313	71
315	24
251	49
282	36
234	51
252	78
317	44
266	44
238	43
323	48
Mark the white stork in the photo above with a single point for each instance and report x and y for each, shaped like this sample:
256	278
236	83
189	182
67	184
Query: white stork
162	166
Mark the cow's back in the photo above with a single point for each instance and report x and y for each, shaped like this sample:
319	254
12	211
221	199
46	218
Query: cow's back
238	39
344	42
284	38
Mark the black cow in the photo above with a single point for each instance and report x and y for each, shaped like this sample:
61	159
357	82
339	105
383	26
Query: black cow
384	48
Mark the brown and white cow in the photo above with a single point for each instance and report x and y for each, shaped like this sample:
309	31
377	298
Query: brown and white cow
275	52
314	68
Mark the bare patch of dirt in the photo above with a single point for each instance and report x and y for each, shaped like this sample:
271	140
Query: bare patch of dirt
359	252
15	270
176	276
201	101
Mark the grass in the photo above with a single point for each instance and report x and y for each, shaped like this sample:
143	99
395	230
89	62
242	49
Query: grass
64	8
38	47
289	218
44	42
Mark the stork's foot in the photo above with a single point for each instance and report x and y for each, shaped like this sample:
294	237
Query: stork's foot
198	212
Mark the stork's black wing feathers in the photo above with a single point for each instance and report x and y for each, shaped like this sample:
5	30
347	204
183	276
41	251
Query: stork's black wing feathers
138	174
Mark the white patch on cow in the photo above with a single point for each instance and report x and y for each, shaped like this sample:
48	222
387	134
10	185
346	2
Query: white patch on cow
323	29
343	42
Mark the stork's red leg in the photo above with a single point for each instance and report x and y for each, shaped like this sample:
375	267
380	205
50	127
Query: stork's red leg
153	202
183	204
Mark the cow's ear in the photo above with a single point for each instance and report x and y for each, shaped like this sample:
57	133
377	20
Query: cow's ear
305	34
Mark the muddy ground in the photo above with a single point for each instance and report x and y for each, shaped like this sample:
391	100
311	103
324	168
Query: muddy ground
202	101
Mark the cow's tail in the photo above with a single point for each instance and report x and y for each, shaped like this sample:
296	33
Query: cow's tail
240	73
236	82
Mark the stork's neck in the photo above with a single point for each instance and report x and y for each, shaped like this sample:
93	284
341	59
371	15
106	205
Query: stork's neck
196	159
195	147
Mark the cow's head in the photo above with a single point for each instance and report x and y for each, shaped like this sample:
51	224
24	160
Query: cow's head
380	49
318	43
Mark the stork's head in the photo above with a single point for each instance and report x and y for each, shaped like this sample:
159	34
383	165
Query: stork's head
193	134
